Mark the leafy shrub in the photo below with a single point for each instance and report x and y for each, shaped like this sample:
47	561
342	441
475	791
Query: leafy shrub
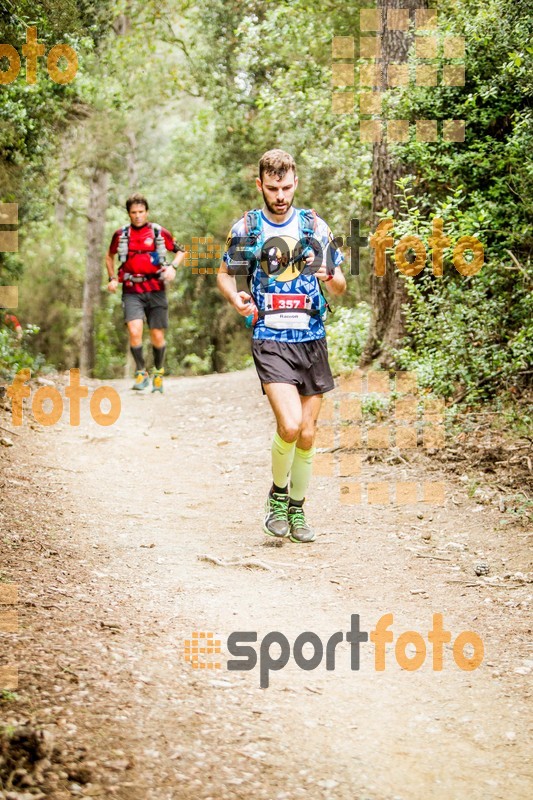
468	337
14	353
347	331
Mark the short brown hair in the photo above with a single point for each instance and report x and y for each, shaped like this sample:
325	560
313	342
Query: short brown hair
136	200
276	162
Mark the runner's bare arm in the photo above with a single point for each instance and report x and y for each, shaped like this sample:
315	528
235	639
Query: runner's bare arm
110	266
227	286
335	284
180	255
169	273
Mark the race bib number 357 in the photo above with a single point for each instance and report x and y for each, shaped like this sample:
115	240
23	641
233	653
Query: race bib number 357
287	311
287	301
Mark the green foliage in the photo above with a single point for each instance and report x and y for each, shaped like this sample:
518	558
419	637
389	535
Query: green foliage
375	405
32	120
518	416
219	86
15	354
347	330
468	336
111	341
519	510
264	69
8	697
31	115
182	104
51	291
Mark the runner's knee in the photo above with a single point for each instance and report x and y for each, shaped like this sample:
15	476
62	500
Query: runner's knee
306	438
158	337
289	430
136	334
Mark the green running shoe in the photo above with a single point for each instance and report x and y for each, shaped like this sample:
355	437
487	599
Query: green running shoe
275	523
300	530
142	381
157	380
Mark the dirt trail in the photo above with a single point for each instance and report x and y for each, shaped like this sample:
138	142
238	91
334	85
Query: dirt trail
122	589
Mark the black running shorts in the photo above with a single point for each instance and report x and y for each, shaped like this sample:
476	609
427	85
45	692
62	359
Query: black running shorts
302	364
153	305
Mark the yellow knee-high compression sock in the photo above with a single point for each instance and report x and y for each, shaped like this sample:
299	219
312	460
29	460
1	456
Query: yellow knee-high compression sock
302	467
282	458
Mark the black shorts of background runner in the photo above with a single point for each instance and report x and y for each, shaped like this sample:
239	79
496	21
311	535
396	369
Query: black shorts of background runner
302	364
153	305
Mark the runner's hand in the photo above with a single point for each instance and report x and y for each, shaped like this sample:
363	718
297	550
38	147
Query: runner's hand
242	303
322	273
168	274
112	286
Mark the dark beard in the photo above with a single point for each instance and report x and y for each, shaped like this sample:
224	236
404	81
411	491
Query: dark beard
272	209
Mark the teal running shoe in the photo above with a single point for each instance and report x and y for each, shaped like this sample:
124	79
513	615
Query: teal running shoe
157	380
142	381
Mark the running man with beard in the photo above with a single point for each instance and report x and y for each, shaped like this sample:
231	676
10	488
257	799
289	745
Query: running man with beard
288	254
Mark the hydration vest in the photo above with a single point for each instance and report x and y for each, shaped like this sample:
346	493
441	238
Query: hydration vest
253	248
255	235
160	248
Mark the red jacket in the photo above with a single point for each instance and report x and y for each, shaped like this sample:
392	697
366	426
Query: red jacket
142	257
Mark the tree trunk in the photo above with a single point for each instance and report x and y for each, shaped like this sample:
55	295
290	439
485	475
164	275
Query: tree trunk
387	327
133	175
64	170
93	276
122	23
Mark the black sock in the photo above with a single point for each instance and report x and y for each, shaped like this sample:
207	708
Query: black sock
296	503
278	490
159	356
137	353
